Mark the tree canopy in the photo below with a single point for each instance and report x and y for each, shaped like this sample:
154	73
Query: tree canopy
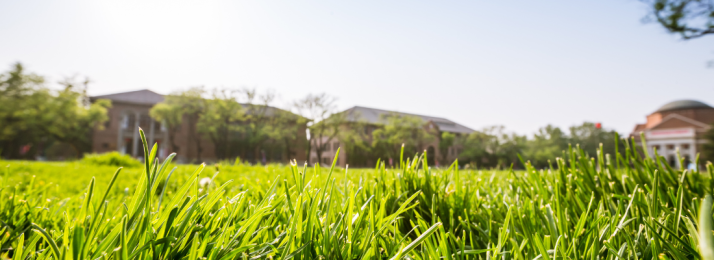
688	18
237	122
493	147
401	130
325	125
34	116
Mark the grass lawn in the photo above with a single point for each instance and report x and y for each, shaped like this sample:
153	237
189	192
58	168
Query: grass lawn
608	207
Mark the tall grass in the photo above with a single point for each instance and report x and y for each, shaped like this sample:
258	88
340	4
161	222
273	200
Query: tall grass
621	206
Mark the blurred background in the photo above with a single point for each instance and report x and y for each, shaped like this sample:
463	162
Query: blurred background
482	81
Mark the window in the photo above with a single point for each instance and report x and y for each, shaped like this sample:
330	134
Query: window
129	121
670	147
128	146
368	130
655	147
326	161
685	146
335	145
145	122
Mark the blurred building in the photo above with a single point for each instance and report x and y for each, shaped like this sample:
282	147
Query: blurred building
369	119
679	125
130	110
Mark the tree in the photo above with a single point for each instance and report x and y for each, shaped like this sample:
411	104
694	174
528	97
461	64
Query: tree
548	143
447	140
289	132
688	18
589	137
266	130
176	107
69	117
221	120
325	123
397	130
18	89
34	114
708	151
171	116
356	143
492	147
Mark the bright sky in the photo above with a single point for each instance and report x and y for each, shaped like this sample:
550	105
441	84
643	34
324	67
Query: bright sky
522	63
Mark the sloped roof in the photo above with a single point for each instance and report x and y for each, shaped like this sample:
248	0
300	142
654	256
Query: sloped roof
373	116
148	97
639	128
678	121
682	104
269	110
141	97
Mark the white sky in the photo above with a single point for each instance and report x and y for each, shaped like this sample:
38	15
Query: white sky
520	63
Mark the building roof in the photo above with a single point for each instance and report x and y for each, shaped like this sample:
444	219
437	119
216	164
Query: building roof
373	116
639	128
682	104
141	97
148	97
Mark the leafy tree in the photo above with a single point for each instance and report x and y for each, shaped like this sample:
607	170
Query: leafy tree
33	114
549	142
170	114
708	151
688	18
68	116
492	147
18	89
186	105
447	140
357	145
290	132
397	130
325	124
221	120
263	124
589	137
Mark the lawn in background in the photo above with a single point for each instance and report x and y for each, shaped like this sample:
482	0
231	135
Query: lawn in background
624	206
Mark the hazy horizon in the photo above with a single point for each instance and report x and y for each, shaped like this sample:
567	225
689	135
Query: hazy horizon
519	64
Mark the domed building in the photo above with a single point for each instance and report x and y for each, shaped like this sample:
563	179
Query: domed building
681	125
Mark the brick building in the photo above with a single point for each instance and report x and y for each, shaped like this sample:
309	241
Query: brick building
130	110
370	119
679	125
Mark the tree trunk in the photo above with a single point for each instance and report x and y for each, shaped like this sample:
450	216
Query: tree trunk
309	150
256	154
227	149
172	135
318	151
287	148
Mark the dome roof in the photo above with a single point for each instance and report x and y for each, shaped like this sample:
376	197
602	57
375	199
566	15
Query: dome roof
682	104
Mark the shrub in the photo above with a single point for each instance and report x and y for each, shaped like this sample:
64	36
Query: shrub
111	159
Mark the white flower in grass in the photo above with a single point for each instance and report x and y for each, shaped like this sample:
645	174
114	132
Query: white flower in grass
205	181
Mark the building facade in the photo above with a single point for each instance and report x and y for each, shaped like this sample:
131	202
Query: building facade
370	119
676	126
130	111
